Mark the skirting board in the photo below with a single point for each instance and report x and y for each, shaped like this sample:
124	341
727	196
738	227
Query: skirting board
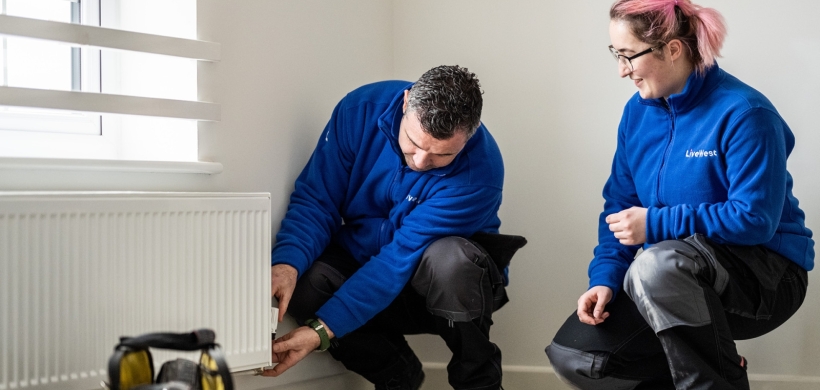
543	378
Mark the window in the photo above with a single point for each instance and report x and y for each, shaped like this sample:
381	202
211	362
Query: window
30	63
36	65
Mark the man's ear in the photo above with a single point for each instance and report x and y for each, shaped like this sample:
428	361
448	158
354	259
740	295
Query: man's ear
406	94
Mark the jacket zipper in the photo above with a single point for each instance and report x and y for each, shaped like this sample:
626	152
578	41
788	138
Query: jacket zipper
389	196
392	185
667	151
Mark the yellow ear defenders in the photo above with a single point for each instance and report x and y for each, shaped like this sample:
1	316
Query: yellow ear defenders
132	368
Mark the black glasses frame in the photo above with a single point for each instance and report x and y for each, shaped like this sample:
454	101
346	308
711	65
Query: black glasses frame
628	58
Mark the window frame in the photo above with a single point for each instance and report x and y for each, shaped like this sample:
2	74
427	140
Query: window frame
85	76
123	41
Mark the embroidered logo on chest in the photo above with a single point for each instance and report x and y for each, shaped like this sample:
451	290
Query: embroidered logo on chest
411	198
691	153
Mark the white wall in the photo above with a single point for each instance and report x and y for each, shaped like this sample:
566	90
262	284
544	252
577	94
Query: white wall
553	101
285	66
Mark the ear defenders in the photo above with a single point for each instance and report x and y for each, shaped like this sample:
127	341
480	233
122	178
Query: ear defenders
131	366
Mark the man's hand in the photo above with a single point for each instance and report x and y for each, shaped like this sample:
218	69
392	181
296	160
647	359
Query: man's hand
293	347
592	303
629	225
282	283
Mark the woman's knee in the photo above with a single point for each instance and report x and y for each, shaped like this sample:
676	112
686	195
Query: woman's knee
664	264
667	282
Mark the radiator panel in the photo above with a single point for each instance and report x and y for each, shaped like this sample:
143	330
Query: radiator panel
79	270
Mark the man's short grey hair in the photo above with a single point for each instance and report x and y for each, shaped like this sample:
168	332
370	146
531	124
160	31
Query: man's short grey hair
446	99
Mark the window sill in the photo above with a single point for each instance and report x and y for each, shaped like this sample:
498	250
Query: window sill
64	164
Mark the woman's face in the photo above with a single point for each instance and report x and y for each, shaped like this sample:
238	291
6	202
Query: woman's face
653	77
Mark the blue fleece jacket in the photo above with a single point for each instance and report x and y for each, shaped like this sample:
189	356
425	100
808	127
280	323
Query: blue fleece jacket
357	191
709	160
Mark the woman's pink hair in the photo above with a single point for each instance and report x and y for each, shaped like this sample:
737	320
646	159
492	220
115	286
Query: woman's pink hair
657	22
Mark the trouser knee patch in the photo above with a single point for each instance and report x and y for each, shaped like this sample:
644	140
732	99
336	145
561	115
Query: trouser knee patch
665	282
584	370
454	279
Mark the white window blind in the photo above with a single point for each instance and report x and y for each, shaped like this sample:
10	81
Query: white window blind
127	106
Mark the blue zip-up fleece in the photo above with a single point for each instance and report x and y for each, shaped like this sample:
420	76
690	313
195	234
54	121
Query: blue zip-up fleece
357	191
709	160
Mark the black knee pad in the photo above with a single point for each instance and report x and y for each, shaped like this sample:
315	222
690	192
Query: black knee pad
584	370
453	277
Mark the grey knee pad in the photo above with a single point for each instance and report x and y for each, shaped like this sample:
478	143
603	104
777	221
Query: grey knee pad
453	277
584	370
665	283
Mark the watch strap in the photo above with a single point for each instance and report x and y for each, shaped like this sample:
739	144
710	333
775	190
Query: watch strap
320	329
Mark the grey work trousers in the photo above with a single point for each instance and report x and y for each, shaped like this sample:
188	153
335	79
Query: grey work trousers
674	324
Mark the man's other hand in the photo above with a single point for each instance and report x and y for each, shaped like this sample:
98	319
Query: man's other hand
282	283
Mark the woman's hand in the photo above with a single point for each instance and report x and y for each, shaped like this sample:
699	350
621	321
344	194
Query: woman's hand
629	225
592	303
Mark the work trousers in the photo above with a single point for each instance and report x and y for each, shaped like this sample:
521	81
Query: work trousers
451	295
673	325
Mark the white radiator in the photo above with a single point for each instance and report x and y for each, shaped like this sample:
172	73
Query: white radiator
79	270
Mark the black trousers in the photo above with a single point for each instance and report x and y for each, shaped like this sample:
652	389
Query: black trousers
674	324
454	281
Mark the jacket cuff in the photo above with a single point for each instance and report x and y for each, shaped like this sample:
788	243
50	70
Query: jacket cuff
292	257
340	320
608	277
654	225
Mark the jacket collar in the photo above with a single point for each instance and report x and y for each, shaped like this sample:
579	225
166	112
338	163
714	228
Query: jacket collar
698	86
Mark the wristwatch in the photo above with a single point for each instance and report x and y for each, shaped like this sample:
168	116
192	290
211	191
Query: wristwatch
320	329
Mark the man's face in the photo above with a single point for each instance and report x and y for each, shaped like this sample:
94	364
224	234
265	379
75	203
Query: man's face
421	151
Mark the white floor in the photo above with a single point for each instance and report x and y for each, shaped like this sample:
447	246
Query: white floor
436	379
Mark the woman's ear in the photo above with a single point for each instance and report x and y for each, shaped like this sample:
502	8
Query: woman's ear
675	49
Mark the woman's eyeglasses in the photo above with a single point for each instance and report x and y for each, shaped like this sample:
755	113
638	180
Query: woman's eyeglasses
627	61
